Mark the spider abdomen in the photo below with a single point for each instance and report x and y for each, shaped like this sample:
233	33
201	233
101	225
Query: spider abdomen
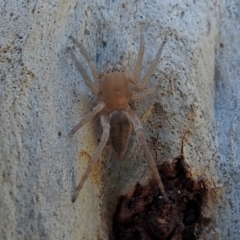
120	131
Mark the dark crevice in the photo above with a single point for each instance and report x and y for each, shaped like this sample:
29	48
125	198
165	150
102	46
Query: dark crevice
144	214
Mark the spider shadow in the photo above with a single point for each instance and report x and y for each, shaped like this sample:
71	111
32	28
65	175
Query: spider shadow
119	176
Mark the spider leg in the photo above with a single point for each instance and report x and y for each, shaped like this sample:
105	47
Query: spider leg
138	66
141	95
142	140
152	67
105	135
84	52
87	117
92	85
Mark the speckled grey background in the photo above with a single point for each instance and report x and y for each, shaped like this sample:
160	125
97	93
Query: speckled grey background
42	96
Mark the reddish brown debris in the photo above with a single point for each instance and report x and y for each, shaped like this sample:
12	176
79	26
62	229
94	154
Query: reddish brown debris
143	214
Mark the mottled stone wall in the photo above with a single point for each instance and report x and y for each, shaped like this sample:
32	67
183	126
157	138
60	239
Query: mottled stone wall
42	96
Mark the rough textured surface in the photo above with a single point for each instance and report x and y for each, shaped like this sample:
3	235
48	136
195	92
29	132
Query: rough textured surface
144	214
42	96
227	115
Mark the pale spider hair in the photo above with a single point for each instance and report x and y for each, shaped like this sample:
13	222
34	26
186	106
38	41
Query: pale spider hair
114	88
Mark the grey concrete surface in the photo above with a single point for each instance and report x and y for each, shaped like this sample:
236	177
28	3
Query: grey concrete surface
42	96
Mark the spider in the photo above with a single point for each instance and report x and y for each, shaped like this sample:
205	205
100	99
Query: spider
115	87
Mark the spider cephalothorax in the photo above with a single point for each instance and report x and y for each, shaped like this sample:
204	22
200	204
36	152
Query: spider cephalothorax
115	88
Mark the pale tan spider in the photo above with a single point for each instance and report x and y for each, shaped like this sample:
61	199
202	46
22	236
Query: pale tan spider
115	88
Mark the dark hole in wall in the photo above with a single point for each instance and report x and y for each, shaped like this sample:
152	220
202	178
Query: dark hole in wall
143	214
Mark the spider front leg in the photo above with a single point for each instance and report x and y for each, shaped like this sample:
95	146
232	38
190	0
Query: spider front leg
92	85
142	140
96	74
138	66
105	135
152	67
